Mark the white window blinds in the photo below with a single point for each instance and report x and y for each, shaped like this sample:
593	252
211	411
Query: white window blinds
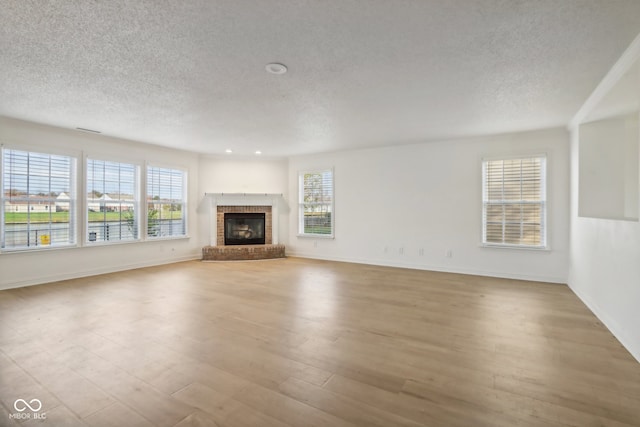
112	201
316	203
514	202
166	202
38	200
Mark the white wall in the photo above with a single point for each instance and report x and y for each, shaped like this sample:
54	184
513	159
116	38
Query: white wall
427	198
608	172
230	174
26	268
605	253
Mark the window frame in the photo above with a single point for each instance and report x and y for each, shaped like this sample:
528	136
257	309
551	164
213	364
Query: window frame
184	202
137	190
542	202
302	204
74	201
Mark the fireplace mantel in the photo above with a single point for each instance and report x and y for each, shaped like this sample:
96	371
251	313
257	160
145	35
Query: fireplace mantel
242	199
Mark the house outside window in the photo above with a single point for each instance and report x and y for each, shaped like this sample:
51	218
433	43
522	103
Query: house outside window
316	203
38	200
112	201
166	202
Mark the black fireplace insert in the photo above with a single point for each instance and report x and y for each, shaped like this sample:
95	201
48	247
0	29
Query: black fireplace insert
244	229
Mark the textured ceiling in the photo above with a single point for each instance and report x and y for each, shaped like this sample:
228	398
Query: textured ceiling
190	74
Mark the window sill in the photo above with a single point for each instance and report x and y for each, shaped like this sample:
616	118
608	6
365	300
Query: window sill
110	243
165	238
316	236
517	247
31	249
88	245
129	242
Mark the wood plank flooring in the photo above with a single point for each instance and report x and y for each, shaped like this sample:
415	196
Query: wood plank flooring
297	342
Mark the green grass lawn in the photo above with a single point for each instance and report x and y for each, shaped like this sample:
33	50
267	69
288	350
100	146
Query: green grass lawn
21	217
317	230
45	217
172	215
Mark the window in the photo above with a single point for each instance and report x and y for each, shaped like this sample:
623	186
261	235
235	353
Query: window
38	200
112	201
166	202
514	202
316	203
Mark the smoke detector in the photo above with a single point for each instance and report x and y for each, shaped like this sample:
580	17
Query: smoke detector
276	68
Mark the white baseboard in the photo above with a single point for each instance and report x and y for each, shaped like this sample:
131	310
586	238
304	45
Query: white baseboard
613	326
39	280
443	269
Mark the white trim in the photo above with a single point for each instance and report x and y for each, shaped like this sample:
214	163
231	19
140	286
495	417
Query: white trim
609	218
144	234
39	248
431	267
100	244
619	332
2	203
244	199
316	236
543	202
74	201
622	65
136	195
300	204
163	238
517	247
513	156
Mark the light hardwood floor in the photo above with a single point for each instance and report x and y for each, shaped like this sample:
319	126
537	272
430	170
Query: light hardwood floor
299	342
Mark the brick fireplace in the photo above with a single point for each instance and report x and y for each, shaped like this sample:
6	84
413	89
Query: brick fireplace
268	220
243	203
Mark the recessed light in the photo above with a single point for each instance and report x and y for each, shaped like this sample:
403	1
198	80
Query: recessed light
228	151
258	152
276	68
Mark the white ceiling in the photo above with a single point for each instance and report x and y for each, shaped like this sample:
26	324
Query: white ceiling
190	74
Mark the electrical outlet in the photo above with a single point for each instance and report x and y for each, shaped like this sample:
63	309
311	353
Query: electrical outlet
421	251
449	253
386	249
401	251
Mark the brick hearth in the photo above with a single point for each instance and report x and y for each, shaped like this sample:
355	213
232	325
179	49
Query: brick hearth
242	252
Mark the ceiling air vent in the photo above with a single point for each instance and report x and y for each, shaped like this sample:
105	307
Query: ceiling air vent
88	130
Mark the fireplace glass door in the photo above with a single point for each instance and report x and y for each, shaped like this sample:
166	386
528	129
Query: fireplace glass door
244	229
